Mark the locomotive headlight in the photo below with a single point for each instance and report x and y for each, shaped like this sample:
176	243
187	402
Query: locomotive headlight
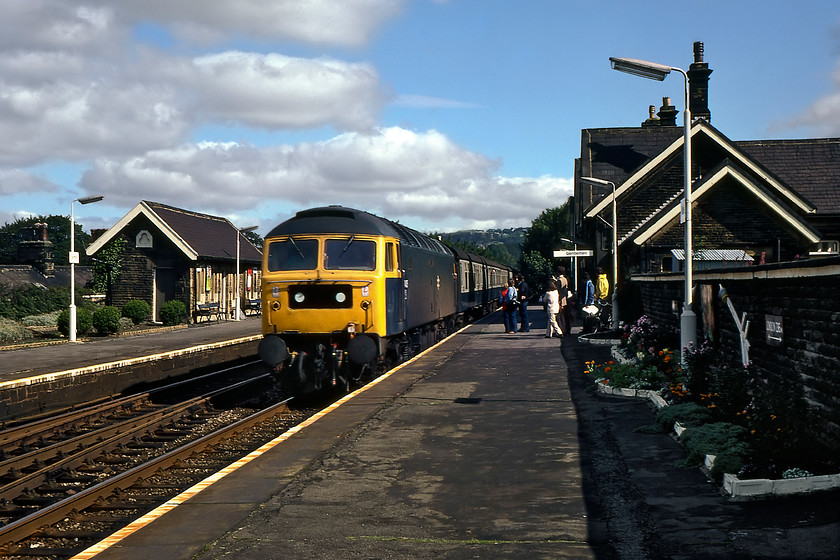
299	297
340	297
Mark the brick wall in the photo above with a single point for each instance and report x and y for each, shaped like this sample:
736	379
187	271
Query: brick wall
804	294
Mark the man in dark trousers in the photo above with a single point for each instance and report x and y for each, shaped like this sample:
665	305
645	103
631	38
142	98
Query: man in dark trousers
523	293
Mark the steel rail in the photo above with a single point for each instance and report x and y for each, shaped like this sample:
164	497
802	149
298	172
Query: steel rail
27	526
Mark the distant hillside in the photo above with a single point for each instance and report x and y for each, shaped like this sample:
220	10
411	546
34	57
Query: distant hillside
504	245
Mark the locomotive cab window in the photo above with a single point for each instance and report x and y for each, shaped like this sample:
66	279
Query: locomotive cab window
390	257
349	254
290	254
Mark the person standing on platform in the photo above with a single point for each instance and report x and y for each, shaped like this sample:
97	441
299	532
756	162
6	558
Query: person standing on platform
509	302
589	290
523	293
562	284
551	299
602	290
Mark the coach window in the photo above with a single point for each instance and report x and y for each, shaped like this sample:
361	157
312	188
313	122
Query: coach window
349	254
290	254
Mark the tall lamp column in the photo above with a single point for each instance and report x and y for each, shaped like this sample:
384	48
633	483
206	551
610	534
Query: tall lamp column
654	71
74	259
239	233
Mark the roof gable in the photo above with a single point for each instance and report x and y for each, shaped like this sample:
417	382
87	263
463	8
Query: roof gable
195	235
701	127
668	213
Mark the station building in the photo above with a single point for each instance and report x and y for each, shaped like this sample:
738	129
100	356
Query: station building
172	253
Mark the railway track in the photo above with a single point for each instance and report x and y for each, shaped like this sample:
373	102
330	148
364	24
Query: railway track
66	482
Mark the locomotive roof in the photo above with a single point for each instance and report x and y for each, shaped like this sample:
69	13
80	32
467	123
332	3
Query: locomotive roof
339	219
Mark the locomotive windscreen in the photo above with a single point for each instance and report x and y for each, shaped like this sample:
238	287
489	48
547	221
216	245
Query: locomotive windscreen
289	254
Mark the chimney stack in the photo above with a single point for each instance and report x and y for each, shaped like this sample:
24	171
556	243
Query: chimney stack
667	113
652	119
698	85
37	250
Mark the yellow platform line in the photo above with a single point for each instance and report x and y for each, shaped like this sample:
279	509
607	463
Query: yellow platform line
162	509
86	370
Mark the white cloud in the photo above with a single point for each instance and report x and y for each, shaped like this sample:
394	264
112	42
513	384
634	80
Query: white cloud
421	178
287	92
17	180
321	22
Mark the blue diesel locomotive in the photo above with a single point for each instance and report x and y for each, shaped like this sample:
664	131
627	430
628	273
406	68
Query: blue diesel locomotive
345	292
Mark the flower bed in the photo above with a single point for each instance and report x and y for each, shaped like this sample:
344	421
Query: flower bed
753	437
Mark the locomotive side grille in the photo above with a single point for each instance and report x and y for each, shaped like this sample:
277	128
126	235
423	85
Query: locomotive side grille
320	296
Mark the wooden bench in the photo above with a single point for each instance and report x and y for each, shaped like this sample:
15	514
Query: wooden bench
252	306
209	310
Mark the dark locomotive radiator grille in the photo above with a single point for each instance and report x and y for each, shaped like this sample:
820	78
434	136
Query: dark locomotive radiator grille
320	296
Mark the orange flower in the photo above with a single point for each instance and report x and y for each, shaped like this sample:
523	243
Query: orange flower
608	368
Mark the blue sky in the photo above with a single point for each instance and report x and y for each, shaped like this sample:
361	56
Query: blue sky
442	114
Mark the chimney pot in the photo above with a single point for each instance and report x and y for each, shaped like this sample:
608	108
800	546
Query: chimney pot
698	51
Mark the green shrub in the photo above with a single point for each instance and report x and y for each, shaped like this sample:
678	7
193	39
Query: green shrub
11	331
106	320
687	414
720	438
16	303
84	321
728	462
137	310
126	324
44	320
173	312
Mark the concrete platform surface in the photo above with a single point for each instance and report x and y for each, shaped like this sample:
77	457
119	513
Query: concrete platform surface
40	360
490	446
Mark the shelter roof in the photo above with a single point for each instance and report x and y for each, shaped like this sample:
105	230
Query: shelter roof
198	236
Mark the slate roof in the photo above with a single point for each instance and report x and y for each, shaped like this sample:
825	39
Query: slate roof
18	275
811	167
794	178
199	236
210	236
613	154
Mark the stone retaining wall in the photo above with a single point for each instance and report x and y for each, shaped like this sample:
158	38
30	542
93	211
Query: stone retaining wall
65	390
803	294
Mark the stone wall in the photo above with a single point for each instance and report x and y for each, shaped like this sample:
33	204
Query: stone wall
803	294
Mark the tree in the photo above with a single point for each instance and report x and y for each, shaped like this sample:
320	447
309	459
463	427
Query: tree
546	231
58	232
107	265
254	238
541	240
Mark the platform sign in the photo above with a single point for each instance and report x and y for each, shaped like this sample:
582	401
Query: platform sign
774	330
575	253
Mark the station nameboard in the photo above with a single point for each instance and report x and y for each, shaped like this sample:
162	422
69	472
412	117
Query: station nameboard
577	253
775	332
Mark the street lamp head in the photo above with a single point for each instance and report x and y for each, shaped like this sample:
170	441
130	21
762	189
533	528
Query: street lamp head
594	181
247	229
643	68
90	199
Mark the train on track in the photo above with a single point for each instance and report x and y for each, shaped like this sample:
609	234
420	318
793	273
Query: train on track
345	292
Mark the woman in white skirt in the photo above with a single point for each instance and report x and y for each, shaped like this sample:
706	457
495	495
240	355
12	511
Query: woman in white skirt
552	308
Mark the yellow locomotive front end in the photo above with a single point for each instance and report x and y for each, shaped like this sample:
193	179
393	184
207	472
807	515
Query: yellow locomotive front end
324	305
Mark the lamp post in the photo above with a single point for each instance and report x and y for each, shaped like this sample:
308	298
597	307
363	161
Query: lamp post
74	259
239	233
603	183
573	260
654	71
